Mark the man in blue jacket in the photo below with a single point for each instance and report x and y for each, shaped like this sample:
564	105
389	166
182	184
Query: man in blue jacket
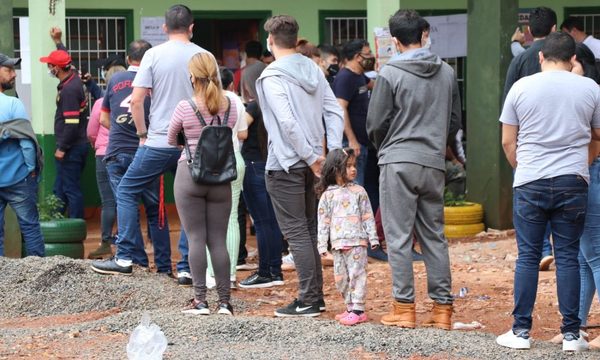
18	163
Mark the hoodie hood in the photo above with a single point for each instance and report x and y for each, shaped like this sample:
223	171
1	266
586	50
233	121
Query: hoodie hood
297	69
420	62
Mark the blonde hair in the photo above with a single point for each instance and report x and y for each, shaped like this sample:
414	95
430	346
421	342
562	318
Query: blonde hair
113	70
207	84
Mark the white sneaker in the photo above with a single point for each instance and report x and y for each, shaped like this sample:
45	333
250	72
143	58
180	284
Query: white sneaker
211	283
518	341
246	266
287	263
572	343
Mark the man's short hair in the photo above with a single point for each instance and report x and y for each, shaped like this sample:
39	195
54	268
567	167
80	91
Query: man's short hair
407	26
178	18
328	50
226	77
253	49
353	47
137	49
284	30
541	21
571	23
558	47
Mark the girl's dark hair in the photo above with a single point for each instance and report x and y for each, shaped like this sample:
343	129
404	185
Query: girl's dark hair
588	61
335	165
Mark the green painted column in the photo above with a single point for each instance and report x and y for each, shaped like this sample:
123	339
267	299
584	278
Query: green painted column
489	177
378	14
43	87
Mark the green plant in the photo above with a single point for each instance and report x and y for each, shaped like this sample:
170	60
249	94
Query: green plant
453	200
50	208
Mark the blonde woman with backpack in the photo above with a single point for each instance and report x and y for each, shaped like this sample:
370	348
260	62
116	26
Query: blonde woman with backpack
203	209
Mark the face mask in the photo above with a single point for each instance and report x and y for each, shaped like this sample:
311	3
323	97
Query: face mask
51	74
368	63
427	44
7	86
333	69
103	74
269	47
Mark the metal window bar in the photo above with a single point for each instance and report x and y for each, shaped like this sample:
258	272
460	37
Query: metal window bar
343	29
74	40
589	22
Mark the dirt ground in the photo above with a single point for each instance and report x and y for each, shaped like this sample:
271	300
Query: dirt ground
482	265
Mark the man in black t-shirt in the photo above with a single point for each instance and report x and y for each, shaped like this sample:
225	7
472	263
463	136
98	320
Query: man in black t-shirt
351	88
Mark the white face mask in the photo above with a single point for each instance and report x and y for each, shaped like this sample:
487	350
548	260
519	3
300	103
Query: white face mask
427	44
51	74
268	46
103	74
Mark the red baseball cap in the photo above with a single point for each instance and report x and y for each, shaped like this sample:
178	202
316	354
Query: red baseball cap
57	57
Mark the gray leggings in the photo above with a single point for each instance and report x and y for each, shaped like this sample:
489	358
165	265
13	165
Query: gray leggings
204	213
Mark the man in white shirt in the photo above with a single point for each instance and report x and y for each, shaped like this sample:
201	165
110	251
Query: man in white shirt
574	27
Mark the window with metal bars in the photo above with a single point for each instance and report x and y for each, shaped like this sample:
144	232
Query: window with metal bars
591	23
339	30
88	40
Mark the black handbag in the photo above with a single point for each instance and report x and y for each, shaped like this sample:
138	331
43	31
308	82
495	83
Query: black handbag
213	162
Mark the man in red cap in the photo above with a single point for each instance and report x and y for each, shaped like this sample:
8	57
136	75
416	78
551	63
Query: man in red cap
70	123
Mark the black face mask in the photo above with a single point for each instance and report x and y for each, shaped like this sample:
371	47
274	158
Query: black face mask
368	63
333	69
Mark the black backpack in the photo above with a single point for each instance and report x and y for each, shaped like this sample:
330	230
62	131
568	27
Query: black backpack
213	162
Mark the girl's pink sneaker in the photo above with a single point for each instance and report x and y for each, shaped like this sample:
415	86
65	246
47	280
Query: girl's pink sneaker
353	319
342	315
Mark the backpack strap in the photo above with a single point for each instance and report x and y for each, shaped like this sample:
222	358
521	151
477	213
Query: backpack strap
197	112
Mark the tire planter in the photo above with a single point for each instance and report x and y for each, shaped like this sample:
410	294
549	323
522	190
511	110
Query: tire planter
471	213
459	231
64	231
74	250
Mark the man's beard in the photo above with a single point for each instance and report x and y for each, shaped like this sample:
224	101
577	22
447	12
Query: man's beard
8	85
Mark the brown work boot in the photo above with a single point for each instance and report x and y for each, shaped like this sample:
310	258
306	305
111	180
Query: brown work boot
402	314
441	317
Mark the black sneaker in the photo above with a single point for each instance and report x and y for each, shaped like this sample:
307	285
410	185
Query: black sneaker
297	308
225	308
256	281
277	279
110	267
196	307
184	279
321	304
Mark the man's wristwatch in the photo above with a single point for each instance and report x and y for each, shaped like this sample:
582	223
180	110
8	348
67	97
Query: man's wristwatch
142	135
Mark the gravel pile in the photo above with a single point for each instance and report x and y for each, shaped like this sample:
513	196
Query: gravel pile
57	285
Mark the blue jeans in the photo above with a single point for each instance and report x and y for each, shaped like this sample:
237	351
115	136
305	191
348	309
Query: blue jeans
589	253
22	198
268	235
183	265
141	181
67	185
562	200
108	216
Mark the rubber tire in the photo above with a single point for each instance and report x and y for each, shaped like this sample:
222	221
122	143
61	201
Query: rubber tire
460	231
472	213
74	251
64	231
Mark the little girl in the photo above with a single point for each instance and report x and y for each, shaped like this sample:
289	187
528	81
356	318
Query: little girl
346	219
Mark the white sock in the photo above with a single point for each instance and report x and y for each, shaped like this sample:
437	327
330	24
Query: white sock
123	263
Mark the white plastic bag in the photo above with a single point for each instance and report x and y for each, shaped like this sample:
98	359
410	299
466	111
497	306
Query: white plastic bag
147	341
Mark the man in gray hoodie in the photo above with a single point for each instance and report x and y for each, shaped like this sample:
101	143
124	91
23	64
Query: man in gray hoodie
408	122
297	105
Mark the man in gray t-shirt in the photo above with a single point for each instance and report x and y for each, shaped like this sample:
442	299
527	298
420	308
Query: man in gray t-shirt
164	75
547	122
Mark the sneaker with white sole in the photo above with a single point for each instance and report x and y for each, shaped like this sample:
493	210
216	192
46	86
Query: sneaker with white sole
519	341
298	309
574	342
558	339
184	279
196	307
287	263
225	308
255	281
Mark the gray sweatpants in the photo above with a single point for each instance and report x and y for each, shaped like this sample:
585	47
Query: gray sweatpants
204	213
412	197
294	201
